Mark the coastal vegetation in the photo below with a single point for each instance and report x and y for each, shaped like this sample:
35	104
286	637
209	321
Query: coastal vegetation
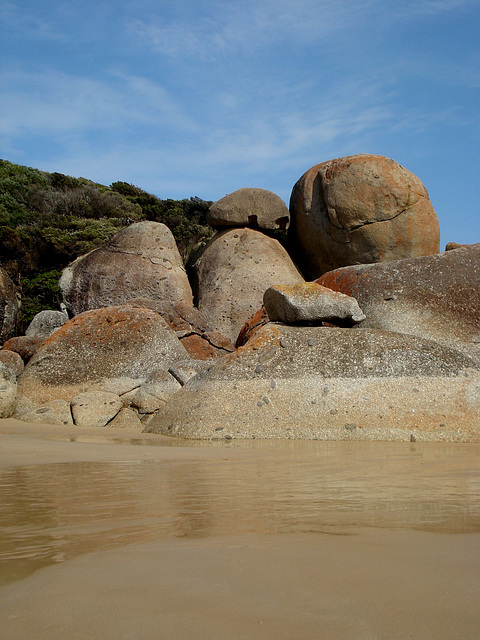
49	219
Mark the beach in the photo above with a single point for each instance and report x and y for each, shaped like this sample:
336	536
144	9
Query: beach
112	533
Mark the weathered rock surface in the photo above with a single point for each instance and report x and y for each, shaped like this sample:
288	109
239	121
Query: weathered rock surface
154	393
120	346
45	323
25	346
360	209
12	360
434	297
332	384
53	412
126	418
186	369
190	327
8	391
231	273
309	302
251	326
9	306
95	408
140	261
249	207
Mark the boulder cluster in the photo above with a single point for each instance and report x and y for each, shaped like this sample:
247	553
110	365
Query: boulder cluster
354	327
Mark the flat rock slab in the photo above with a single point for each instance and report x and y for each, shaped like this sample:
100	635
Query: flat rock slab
434	297
309	302
332	384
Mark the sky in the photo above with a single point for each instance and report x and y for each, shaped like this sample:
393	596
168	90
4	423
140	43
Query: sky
202	97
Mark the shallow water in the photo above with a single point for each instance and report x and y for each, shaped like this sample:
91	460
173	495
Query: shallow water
50	513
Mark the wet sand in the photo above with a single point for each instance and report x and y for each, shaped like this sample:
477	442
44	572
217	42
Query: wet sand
116	534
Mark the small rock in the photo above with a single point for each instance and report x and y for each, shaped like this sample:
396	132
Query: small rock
45	323
95	408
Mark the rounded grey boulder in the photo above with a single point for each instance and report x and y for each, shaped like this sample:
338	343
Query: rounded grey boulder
249	207
231	273
140	261
45	323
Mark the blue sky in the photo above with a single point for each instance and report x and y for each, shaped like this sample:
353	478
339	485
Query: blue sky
186	98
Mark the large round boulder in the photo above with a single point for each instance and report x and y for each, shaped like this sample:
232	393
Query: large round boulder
9	306
231	273
249	207
434	297
357	210
140	261
330	383
115	349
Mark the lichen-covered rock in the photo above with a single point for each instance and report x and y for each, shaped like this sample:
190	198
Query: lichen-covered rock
309	302
360	209
9	306
434	297
252	325
25	346
231	274
97	349
45	323
140	261
249	207
191	328
95	408
330	384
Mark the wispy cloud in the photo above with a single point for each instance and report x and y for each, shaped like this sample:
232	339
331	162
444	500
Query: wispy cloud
227	27
51	102
15	19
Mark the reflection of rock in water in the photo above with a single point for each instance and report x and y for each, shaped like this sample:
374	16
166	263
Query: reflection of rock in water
49	513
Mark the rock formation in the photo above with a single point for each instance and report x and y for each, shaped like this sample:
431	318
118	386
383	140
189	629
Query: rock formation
249	207
115	350
231	274
191	328
9	306
140	261
434	297
329	384
360	209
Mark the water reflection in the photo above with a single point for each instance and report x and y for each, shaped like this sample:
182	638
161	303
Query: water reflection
49	513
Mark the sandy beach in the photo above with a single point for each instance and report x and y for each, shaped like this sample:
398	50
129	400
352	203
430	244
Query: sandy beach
114	534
